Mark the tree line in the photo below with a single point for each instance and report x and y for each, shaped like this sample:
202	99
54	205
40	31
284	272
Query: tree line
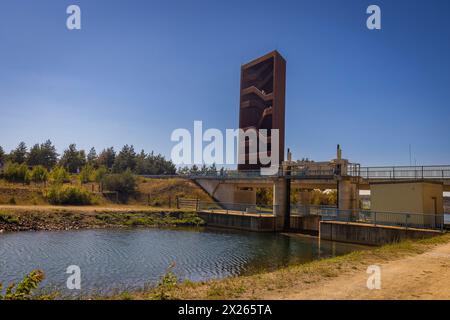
75	161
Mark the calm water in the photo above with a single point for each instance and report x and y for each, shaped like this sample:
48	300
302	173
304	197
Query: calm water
113	260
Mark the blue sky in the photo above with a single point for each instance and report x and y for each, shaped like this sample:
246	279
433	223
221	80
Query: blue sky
140	69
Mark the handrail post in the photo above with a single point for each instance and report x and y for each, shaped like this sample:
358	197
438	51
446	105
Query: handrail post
374	218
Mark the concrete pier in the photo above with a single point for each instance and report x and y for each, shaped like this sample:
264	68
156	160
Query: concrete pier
370	234
348	194
279	203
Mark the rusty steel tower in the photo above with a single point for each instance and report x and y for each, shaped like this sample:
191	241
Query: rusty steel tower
262	102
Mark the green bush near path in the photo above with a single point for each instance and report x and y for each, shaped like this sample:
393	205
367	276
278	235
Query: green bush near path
38	174
15	172
68	195
123	183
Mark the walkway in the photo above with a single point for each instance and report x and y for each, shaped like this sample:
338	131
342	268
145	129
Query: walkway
425	276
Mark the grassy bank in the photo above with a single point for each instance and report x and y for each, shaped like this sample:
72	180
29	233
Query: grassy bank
149	192
25	206
25	218
273	284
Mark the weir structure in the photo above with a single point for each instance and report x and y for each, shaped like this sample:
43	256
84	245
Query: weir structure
262	106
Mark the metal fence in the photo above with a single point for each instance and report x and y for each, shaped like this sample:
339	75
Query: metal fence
248	174
307	173
235	208
406	220
300	172
402	172
300	210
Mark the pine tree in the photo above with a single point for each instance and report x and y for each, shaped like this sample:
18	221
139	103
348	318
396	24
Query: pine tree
72	159
19	155
92	157
106	158
126	159
2	156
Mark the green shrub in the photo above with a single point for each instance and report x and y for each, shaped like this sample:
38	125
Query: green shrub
87	174
66	195
166	285
99	174
124	183
59	175
24	289
39	174
15	172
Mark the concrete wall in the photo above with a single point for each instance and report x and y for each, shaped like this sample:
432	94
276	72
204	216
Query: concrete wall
433	198
239	222
245	195
307	224
369	234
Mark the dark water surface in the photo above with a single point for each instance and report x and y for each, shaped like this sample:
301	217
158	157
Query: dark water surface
112	260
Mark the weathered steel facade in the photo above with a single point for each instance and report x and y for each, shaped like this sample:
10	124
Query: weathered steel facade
262	102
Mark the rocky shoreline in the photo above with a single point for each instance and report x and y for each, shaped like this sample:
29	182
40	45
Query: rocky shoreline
49	219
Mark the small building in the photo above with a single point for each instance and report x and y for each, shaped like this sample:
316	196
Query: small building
422	200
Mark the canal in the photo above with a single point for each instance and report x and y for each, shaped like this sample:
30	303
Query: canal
115	260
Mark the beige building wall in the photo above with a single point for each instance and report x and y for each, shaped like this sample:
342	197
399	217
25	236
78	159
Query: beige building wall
433	199
416	198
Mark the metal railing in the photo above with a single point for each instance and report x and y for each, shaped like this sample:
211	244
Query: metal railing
249	174
402	172
307	173
226	174
235	208
301	210
300	172
395	219
234	174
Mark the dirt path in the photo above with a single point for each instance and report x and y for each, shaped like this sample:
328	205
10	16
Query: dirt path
112	208
425	276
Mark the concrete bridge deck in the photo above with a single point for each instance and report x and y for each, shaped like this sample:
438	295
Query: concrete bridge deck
326	179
